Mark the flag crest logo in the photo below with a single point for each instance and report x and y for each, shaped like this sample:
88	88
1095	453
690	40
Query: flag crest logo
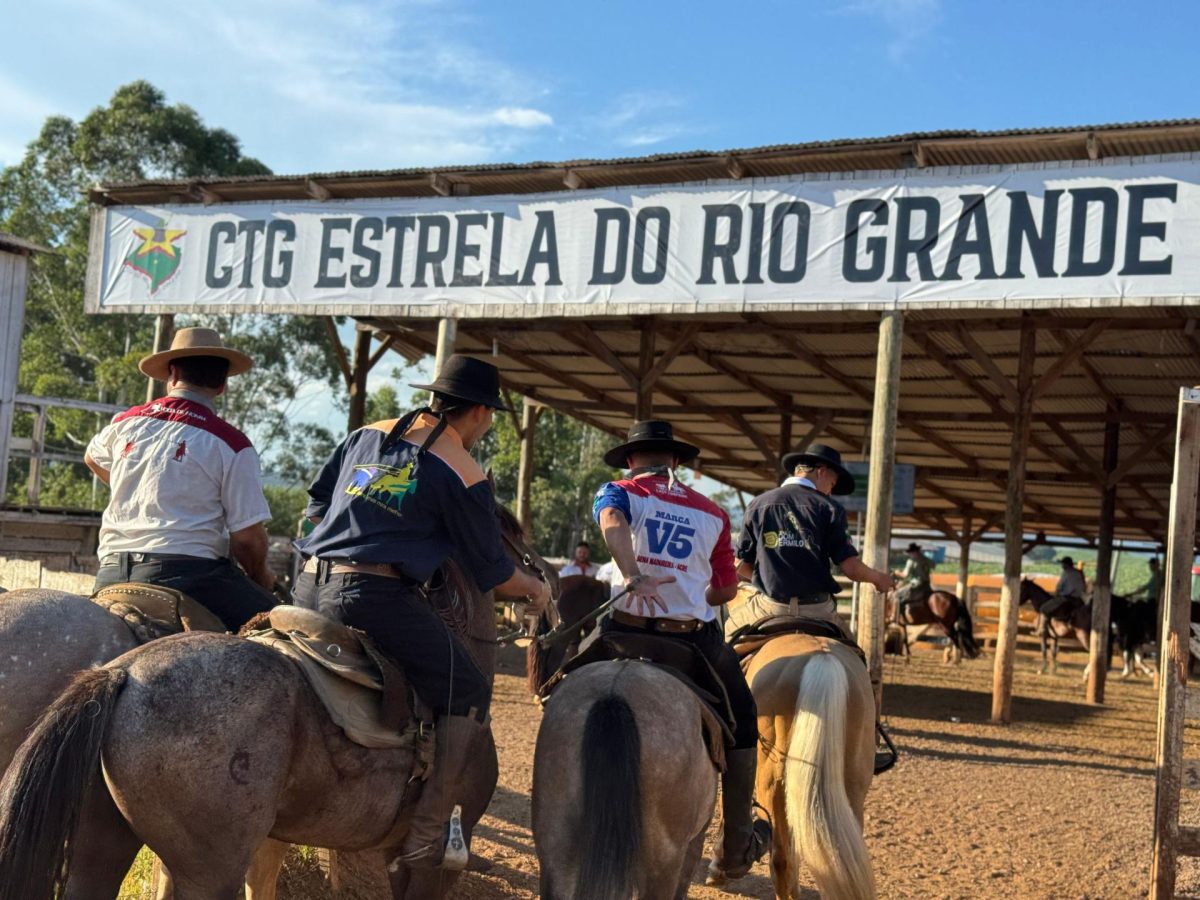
156	256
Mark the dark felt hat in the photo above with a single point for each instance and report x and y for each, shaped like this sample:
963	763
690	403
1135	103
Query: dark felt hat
822	455
654	434
913	548
470	379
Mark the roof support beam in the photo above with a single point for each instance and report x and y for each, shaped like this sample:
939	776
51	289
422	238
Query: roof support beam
1076	349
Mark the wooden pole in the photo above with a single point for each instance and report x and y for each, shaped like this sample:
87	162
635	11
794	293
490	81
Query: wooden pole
164	331
1010	594
1173	660
1098	650
13	283
33	489
529	417
358	383
446	338
964	557
880	478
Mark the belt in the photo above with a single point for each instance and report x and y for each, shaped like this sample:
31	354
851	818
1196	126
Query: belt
114	559
385	570
670	626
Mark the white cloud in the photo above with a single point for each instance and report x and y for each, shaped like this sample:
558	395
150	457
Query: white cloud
909	21
643	119
522	118
22	111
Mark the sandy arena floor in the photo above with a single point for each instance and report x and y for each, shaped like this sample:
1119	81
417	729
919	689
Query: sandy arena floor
1057	805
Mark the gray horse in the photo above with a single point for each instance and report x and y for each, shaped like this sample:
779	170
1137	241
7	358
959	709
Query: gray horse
623	787
210	745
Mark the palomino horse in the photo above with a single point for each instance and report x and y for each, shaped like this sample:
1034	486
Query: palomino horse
816	759
945	610
623	786
253	755
1076	623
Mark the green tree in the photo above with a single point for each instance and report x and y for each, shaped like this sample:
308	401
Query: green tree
67	353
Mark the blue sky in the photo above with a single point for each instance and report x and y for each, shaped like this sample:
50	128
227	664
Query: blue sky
312	85
328	85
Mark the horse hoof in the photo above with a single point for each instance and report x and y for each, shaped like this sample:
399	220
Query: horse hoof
714	877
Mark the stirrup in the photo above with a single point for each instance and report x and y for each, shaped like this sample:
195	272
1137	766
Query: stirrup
886	759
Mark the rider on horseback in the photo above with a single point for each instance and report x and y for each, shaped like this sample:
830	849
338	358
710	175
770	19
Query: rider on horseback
396	499
1068	593
186	487
914	580
791	535
673	547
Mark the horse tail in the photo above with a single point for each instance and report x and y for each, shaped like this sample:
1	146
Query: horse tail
43	792
611	818
827	835
964	632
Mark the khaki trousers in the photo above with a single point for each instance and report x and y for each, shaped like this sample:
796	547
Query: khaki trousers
759	606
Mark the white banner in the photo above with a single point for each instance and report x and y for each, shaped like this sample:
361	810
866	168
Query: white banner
1091	231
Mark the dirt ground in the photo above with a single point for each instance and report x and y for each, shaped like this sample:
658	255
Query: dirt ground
1059	804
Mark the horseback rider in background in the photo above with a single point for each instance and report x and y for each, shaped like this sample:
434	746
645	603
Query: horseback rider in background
673	548
914	580
186	487
1070	590
395	500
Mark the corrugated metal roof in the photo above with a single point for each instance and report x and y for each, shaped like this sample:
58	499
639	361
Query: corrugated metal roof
914	149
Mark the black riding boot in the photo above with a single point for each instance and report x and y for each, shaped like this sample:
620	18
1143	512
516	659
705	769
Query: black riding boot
745	837
435	836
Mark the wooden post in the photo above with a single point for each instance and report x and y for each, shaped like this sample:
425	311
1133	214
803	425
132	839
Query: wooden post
358	383
529	418
881	474
13	282
964	557
1098	650
34	489
164	331
446	338
1010	594
1173	658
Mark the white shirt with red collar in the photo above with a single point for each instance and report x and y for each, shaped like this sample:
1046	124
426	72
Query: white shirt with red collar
182	479
676	531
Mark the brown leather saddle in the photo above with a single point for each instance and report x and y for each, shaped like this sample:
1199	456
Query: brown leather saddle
364	692
152	611
679	659
749	639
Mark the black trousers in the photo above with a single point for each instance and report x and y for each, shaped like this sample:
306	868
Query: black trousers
711	643
216	584
397	616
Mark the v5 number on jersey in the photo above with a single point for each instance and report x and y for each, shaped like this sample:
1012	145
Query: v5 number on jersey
670	537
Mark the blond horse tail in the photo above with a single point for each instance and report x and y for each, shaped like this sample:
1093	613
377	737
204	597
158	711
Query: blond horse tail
826	834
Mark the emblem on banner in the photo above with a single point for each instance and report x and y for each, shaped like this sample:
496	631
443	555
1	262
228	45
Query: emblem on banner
156	256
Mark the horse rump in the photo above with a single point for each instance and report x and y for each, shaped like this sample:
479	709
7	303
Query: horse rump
43	791
611	818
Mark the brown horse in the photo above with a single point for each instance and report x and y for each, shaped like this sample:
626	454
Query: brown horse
816	759
252	755
579	595
1072	620
950	614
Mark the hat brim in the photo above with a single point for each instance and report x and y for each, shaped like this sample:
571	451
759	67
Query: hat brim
457	394
157	365
845	481
618	457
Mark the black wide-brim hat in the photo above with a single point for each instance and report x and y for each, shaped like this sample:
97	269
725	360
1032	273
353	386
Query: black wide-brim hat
653	434
822	455
470	379
913	548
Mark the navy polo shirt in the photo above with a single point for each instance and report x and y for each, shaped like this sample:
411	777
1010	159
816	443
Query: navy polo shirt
791	536
385	506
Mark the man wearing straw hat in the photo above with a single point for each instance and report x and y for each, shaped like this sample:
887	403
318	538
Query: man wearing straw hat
186	487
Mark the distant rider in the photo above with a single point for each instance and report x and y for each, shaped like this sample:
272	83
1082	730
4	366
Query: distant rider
914	586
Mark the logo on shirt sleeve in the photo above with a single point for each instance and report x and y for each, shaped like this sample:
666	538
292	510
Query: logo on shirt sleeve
385	486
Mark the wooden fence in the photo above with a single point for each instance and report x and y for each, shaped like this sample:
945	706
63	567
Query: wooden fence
29	573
